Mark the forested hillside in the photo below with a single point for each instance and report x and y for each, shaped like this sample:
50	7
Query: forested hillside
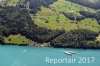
34	5
55	22
80	38
63	14
14	20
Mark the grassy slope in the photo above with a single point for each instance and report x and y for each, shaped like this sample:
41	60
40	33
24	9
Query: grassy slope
47	14
17	39
10	3
13	2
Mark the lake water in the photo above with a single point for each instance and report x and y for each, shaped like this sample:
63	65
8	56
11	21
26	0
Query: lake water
33	56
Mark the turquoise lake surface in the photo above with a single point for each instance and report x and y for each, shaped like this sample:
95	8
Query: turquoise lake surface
33	56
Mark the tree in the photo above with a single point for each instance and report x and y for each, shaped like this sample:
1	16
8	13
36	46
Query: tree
79	38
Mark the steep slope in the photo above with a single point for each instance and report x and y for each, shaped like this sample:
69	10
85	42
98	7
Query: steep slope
61	15
34	5
14	20
55	22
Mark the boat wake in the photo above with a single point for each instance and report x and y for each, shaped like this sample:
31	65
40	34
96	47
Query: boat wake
24	51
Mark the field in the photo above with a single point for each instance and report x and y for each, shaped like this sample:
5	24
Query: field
12	2
52	18
17	39
9	3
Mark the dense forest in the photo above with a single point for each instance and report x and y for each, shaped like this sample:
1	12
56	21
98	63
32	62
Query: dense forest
84	15
72	16
81	38
34	5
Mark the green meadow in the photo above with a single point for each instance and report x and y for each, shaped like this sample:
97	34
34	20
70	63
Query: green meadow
17	39
52	18
9	3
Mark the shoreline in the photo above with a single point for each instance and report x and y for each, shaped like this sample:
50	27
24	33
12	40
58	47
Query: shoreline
35	45
44	45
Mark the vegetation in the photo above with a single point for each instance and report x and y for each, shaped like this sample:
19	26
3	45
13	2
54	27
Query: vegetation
57	22
9	2
34	5
17	39
14	20
63	14
81	38
1	39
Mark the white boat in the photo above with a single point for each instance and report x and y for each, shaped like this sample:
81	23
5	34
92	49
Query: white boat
69	52
72	52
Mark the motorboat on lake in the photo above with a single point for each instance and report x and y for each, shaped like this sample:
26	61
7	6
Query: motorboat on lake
72	52
69	52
